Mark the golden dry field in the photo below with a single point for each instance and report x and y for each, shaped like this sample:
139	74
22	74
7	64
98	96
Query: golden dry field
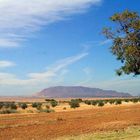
83	120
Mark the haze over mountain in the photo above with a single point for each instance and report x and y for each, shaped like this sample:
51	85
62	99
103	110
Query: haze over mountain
78	91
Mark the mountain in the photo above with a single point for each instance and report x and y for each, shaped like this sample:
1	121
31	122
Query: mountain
78	92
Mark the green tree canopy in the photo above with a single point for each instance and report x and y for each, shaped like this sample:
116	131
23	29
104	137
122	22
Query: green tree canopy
126	41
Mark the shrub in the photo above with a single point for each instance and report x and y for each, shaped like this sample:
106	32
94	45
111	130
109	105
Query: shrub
6	105
135	100
60	119
8	111
64	108
118	102
111	101
23	105
49	100
30	111
47	106
1	105
37	105
54	103
13	106
47	110
106	101
126	100
94	102
88	102
80	100
100	103
74	103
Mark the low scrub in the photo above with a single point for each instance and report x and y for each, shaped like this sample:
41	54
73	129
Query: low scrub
118	102
88	102
54	103
101	103
37	105
94	102
8	105
74	103
131	133
8	111
23	105
47	110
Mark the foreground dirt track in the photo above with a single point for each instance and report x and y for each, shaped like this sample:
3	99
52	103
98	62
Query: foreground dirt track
47	126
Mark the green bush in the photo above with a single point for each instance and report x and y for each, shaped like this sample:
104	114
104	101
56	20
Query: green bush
37	105
94	102
79	100
100	103
13	106
88	102
1	105
126	100
118	102
8	111
6	104
111	101
74	103
54	103
135	100
47	110
23	105
106	101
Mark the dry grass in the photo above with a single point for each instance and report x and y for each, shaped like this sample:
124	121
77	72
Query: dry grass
46	126
131	133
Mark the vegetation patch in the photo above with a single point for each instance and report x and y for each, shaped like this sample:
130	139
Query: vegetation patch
131	133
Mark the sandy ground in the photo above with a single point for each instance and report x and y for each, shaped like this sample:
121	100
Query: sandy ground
46	126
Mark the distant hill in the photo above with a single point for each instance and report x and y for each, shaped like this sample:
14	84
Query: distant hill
78	92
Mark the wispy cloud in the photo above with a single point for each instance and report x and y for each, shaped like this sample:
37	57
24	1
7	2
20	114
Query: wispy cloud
20	18
4	64
101	43
5	42
90	44
59	68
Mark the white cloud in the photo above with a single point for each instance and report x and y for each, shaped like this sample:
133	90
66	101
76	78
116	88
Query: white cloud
59	65
4	64
59	68
20	18
5	42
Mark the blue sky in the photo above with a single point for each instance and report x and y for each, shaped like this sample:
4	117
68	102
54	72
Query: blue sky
47	43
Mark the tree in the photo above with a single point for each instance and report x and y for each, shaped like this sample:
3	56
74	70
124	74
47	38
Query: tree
126	41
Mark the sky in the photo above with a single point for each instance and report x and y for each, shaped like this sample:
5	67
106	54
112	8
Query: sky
45	43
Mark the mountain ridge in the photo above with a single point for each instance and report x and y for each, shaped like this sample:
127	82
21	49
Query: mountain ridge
79	91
